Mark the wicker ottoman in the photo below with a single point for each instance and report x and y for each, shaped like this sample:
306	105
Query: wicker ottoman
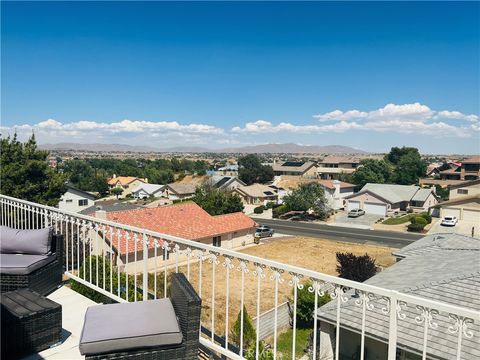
30	323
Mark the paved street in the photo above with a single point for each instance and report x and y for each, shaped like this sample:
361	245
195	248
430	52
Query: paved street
359	236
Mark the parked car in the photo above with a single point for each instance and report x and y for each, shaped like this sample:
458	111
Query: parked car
290	214
449	221
263	231
356	213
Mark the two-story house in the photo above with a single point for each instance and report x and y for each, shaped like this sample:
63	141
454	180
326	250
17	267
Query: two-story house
127	183
332	167
464	202
75	199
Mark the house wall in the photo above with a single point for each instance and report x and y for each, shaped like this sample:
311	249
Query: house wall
430	201
459	192
370	198
69	202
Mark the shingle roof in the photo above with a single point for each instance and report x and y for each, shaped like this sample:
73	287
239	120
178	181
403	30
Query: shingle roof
123	180
422	194
109	207
291	166
186	220
444	268
149	188
182	189
472	160
257	190
392	193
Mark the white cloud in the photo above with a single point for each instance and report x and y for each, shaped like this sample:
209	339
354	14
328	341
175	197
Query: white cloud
402	119
457	115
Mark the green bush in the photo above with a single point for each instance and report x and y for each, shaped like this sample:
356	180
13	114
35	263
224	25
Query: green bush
259	209
427	217
96	296
249	334
269	205
279	210
420	220
413	227
305	305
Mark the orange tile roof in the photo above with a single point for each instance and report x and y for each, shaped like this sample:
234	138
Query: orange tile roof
187	220
123	180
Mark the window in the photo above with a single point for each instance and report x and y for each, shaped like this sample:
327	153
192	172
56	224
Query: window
166	257
69	200
82	202
462	191
217	241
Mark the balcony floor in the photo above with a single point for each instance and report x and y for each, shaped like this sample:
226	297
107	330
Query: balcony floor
74	307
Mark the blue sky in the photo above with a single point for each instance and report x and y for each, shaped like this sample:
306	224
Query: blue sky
367	75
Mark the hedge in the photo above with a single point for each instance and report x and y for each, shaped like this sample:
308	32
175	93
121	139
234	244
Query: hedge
259	209
414	227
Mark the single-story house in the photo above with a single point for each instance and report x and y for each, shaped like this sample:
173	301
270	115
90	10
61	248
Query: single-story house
439	267
381	199
75	200
176	191
127	183
185	220
227	183
146	190
464	202
297	168
257	194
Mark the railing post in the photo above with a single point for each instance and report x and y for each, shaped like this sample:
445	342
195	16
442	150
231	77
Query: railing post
392	328
145	268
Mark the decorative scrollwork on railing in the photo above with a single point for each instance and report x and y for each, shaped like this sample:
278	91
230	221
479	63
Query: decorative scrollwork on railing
228	263
365	298
339	292
426	315
401	307
295	281
460	324
213	257
277	275
243	266
165	246
200	255
259	271
316	287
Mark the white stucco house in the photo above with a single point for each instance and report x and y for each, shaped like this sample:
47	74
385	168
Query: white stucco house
336	191
381	199
75	199
146	190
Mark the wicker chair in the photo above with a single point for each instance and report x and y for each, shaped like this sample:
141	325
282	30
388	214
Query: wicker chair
187	305
43	280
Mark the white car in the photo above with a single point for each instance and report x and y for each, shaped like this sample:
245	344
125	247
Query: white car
449	221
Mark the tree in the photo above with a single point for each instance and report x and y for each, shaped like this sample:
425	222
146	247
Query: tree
396	154
409	169
117	191
306	305
308	197
356	268
25	173
217	202
372	171
249	334
252	171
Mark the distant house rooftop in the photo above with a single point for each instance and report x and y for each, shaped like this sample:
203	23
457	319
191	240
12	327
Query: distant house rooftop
472	160
124	180
182	189
293	166
392	193
109	206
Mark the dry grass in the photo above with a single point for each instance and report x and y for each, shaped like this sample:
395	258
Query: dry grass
313	254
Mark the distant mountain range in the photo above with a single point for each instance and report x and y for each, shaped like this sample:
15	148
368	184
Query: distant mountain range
264	148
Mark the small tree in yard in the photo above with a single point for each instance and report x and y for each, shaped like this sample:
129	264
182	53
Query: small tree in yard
306	304
117	191
356	268
308	197
249	334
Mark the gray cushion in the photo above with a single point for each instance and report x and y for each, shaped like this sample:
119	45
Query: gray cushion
21	264
34	242
126	326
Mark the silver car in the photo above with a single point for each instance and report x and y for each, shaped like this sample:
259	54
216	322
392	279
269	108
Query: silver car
449	221
356	213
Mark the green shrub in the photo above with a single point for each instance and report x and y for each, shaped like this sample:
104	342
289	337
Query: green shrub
427	217
305	305
413	227
249	334
259	209
420	220
269	205
96	296
279	210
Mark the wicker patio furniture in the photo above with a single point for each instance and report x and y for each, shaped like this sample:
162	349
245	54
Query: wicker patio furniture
30	323
147	329
30	259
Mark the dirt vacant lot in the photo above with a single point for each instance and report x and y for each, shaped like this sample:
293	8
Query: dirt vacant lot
313	254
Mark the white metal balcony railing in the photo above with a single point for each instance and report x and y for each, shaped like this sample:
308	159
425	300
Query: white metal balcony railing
225	279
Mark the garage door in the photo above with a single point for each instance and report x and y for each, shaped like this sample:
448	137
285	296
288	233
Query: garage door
353	205
377	209
451	212
471	215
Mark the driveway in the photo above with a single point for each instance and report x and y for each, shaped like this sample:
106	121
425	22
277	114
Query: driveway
362	222
463	228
